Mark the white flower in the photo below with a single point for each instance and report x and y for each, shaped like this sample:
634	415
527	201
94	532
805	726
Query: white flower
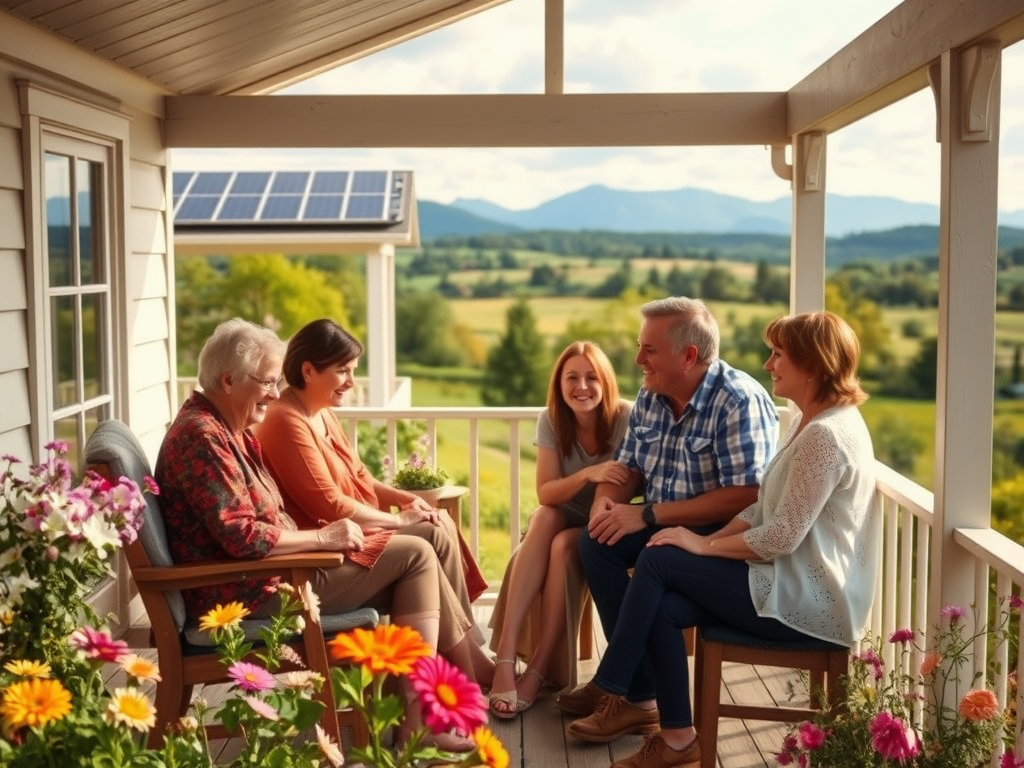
98	532
329	748
16	586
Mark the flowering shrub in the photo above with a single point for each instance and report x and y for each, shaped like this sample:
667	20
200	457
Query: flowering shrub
416	474
901	718
449	701
56	543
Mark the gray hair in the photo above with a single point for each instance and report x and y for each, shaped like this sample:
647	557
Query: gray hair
693	325
237	347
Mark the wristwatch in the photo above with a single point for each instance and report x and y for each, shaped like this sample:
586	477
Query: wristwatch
648	515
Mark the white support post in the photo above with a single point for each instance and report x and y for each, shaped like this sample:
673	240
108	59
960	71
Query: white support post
967	299
807	244
380	324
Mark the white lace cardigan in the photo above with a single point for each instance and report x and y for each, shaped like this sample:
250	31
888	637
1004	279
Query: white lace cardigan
816	528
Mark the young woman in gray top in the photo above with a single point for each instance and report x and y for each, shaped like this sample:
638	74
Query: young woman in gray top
577	436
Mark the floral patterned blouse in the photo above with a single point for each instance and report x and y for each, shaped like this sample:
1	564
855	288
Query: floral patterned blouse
218	502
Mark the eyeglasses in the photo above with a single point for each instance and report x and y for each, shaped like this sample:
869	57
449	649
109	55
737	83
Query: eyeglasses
268	384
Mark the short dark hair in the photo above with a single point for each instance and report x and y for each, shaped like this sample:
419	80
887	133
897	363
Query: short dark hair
321	343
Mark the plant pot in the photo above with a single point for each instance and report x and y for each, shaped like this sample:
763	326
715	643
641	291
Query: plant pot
430	495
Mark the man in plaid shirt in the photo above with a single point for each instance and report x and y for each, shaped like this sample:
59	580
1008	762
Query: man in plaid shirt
699	438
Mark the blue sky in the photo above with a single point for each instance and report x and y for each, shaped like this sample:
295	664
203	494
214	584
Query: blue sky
645	46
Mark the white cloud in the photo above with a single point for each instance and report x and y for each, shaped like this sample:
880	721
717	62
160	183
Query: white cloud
646	46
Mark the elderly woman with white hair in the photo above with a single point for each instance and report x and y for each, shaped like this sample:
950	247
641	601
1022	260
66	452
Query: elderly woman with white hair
219	501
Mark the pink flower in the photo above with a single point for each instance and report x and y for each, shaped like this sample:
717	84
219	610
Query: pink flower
783	758
1010	760
151	485
812	736
262	708
250	677
901	636
872	659
449	699
954	613
978	705
1017	602
892	738
98	645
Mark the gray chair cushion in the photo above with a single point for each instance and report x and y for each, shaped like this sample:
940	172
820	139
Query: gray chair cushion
330	623
113	444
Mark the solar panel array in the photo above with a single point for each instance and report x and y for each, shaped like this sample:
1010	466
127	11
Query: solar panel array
288	197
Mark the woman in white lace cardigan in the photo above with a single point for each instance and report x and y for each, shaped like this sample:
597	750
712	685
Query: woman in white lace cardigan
800	562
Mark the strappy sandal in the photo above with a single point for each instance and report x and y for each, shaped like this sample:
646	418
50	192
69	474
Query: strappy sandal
507	705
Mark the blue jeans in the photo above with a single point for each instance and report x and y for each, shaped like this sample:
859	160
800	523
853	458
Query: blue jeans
671	590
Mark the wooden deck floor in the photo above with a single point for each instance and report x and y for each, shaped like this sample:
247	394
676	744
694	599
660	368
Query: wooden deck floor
538	738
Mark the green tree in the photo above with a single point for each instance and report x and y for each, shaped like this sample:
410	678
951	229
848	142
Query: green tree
278	293
517	367
425	331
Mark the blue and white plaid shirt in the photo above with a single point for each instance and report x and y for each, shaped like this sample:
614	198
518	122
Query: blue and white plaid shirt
725	437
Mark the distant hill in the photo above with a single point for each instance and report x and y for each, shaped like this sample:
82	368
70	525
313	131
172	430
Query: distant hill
681	210
438	220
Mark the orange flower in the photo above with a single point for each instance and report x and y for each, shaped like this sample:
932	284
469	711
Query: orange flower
386	648
36	701
979	705
929	663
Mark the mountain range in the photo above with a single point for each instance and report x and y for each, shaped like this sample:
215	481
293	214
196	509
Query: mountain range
689	209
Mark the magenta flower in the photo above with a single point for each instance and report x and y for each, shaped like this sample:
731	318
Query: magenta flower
449	699
1017	602
1010	760
872	659
954	613
812	736
151	485
98	645
892	738
901	636
250	677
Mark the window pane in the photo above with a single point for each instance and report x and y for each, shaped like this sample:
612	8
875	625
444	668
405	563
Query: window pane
89	181
58	218
93	334
66	429
65	366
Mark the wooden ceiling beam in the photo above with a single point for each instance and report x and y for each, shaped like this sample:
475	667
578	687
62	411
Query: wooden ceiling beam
572	120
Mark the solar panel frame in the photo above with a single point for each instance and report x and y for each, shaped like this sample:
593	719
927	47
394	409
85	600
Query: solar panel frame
328	197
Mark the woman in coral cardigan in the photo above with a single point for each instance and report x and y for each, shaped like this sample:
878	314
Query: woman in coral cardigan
323	479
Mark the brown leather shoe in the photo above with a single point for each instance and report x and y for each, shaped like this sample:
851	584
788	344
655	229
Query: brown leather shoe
614	717
581	701
655	753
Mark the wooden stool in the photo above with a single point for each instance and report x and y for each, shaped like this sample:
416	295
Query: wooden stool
719	643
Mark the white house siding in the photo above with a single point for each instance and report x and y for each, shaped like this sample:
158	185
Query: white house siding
142	284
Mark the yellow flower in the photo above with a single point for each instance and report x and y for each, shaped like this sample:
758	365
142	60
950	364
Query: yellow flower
34	702
386	648
492	753
28	668
222	616
140	668
131	707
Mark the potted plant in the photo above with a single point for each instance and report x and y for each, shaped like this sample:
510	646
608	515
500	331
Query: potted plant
418	475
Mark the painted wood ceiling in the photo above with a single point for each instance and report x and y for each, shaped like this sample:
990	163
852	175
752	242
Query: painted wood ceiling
238	46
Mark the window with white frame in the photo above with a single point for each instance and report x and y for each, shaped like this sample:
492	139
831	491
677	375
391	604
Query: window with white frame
76	284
